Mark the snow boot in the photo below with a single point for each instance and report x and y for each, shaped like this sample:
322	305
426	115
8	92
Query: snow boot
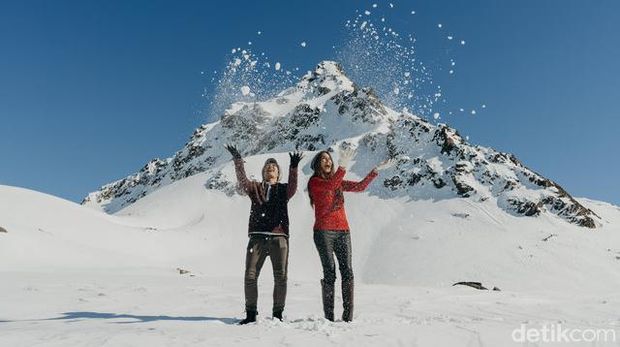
277	314
328	299
347	300
249	318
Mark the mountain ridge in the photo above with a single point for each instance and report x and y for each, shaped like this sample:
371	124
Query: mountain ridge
326	109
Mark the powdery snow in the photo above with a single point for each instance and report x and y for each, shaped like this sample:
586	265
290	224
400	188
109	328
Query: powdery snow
75	276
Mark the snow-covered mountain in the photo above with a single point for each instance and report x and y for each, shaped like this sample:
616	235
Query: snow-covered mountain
326	109
447	212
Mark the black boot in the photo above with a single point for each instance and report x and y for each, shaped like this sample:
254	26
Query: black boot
277	314
328	299
347	300
250	317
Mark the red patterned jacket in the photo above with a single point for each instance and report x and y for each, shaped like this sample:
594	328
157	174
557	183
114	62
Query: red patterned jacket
326	194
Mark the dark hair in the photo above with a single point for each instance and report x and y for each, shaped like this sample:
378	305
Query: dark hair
315	165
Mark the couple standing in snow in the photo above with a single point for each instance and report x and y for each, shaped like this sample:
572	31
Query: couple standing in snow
269	224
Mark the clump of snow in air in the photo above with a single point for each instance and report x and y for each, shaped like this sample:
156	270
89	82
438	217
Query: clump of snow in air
381	57
412	12
303	44
484	106
463	42
473	112
436	115
248	76
374	5
450	37
259	32
439	25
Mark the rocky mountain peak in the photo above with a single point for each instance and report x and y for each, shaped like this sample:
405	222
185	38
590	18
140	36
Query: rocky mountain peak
326	109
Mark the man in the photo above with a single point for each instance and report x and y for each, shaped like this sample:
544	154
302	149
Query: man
267	229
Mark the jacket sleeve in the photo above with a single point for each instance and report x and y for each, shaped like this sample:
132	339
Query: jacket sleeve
336	180
292	183
242	180
350	186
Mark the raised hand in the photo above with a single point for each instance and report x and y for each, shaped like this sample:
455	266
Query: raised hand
295	158
233	151
344	156
386	164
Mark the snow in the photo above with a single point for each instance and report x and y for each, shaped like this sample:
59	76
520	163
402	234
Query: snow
277	66
245	90
76	276
303	44
367	13
73	275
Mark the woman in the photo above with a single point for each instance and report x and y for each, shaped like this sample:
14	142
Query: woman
331	229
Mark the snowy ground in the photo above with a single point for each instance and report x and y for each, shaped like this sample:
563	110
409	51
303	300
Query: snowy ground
139	307
73	276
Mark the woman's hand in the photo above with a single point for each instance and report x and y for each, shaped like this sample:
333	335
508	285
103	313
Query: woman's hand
344	156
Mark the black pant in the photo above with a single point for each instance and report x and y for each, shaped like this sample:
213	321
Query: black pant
259	247
328	242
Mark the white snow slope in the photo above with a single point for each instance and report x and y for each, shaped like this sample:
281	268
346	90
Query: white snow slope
73	276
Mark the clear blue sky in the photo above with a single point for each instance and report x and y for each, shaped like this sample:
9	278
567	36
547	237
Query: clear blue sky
92	90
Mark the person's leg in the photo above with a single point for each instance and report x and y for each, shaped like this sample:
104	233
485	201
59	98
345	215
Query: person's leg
342	248
254	259
323	241
278	251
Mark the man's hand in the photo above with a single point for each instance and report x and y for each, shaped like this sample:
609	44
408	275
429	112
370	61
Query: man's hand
295	159
344	156
233	151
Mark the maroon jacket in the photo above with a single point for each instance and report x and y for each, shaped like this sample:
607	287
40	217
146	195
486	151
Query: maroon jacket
269	209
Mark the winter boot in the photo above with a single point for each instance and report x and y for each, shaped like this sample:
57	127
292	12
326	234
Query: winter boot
277	314
250	317
328	299
347	300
